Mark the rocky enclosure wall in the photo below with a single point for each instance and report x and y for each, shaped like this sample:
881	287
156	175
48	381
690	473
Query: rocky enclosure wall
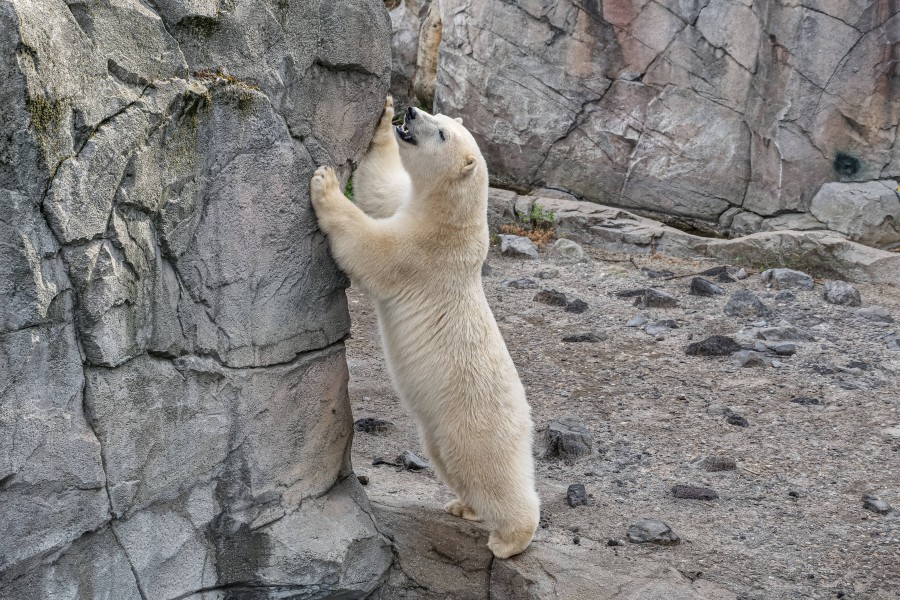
173	412
727	115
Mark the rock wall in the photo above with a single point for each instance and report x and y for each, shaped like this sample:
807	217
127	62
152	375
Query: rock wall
726	115
174	420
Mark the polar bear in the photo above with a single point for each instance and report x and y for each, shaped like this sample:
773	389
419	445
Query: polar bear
418	254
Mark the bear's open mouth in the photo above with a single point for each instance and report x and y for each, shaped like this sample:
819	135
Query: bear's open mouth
404	134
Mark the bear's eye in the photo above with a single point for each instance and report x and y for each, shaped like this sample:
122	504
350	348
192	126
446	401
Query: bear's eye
441	133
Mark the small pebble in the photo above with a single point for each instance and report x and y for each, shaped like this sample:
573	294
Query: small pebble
576	306
551	297
411	462
693	492
576	495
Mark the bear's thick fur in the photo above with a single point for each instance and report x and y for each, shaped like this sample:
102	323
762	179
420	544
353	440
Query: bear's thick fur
418	254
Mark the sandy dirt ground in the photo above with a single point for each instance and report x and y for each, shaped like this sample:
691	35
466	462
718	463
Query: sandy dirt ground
789	521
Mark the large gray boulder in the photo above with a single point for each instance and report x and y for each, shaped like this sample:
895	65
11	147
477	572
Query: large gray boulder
174	415
695	110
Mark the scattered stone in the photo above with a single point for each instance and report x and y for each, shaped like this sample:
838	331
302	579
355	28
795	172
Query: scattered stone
702	287
784	334
744	303
721	274
875	505
411	462
693	492
806	401
363	479
718	463
736	419
741	273
661	327
373	426
841	292
551	297
567	250
612	542
576	495
785	296
787	278
652	530
631	293
516	245
714	345
893	341
656	274
486	270
652	298
576	306
547	274
636	321
784	348
749	358
567	438
586	336
879	314
520	284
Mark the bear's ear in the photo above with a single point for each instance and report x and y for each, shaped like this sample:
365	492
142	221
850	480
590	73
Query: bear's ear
458	120
469	167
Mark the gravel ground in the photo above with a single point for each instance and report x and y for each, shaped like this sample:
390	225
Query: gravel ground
789	521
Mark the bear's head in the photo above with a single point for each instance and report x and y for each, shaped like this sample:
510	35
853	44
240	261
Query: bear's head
439	153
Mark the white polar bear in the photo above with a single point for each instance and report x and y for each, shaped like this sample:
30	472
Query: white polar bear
420	262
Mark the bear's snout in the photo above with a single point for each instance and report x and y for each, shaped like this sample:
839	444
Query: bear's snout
410	113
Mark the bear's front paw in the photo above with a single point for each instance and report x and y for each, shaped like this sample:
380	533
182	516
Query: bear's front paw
324	187
458	508
385	130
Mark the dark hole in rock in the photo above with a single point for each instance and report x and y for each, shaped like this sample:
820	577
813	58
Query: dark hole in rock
845	165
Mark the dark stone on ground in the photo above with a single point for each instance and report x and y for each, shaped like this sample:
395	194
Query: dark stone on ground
744	303
785	296
567	438
576	495
733	418
652	298
652	274
411	462
714	345
876	505
614	542
576	306
551	297
693	492
721	274
631	293
486	269
547	274
373	425
806	401
788	333
718	463
702	287
586	336
654	531
520	284
784	348
363	479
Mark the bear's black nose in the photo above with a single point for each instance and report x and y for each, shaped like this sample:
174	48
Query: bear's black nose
410	113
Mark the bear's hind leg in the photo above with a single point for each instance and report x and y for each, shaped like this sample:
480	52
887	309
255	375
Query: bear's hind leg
380	183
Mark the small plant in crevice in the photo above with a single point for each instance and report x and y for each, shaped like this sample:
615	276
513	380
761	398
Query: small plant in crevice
348	189
538	225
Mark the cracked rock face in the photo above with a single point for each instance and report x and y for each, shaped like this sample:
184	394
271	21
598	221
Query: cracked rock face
721	115
173	409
